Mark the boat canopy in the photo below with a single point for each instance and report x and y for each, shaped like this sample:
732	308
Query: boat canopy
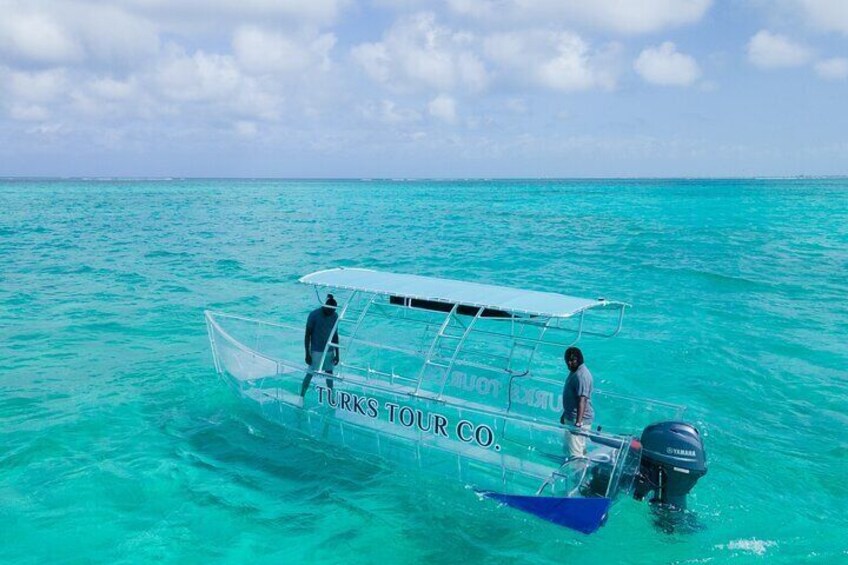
513	301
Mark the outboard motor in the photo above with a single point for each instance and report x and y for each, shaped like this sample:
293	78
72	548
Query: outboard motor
673	459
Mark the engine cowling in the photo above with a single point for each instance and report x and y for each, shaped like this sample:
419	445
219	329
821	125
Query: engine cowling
673	460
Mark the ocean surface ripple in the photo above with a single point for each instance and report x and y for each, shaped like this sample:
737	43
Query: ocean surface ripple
119	443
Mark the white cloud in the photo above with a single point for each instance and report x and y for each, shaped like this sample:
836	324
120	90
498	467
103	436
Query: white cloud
188	13
645	16
556	60
214	79
103	98
36	86
664	66
112	36
257	100
390	113
37	38
29	113
827	15
263	51
110	89
375	60
418	53
572	69
478	9
104	64
443	107
769	51
402	5
835	68
48	130
198	77
122	32
73	33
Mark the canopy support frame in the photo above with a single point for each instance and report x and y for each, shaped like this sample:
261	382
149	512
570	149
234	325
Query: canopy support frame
429	356
458	349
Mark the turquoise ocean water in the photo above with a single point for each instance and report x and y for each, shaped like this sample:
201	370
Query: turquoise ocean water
119	443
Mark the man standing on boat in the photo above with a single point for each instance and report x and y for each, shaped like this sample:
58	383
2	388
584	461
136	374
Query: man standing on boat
319	325
577	401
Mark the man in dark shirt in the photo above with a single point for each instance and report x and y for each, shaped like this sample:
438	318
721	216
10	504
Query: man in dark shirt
577	401
319	325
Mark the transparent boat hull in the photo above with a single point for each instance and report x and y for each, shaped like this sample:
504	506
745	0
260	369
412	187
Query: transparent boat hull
509	456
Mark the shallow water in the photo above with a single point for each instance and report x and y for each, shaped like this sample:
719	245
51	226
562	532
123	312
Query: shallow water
117	441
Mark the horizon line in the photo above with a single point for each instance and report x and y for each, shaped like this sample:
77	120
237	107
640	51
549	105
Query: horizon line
416	179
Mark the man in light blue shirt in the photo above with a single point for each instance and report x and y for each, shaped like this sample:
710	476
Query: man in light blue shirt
577	401
320	324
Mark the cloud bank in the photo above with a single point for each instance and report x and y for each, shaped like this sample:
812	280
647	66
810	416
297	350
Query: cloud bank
350	81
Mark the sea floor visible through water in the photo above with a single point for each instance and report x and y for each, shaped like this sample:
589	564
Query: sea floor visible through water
118	443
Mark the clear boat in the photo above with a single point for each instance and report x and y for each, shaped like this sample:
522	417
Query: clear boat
464	380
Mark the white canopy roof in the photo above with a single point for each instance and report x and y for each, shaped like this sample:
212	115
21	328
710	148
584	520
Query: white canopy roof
512	300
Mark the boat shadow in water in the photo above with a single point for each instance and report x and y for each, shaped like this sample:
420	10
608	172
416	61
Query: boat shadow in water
255	452
301	478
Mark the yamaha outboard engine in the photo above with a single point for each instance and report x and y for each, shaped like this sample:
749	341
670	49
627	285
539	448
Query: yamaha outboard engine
673	459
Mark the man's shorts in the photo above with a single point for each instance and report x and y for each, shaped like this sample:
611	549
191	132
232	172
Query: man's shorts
576	444
316	360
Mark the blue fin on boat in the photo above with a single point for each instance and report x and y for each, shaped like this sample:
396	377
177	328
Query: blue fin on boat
582	514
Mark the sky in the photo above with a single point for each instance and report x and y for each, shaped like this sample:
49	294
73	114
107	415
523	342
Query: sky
415	88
